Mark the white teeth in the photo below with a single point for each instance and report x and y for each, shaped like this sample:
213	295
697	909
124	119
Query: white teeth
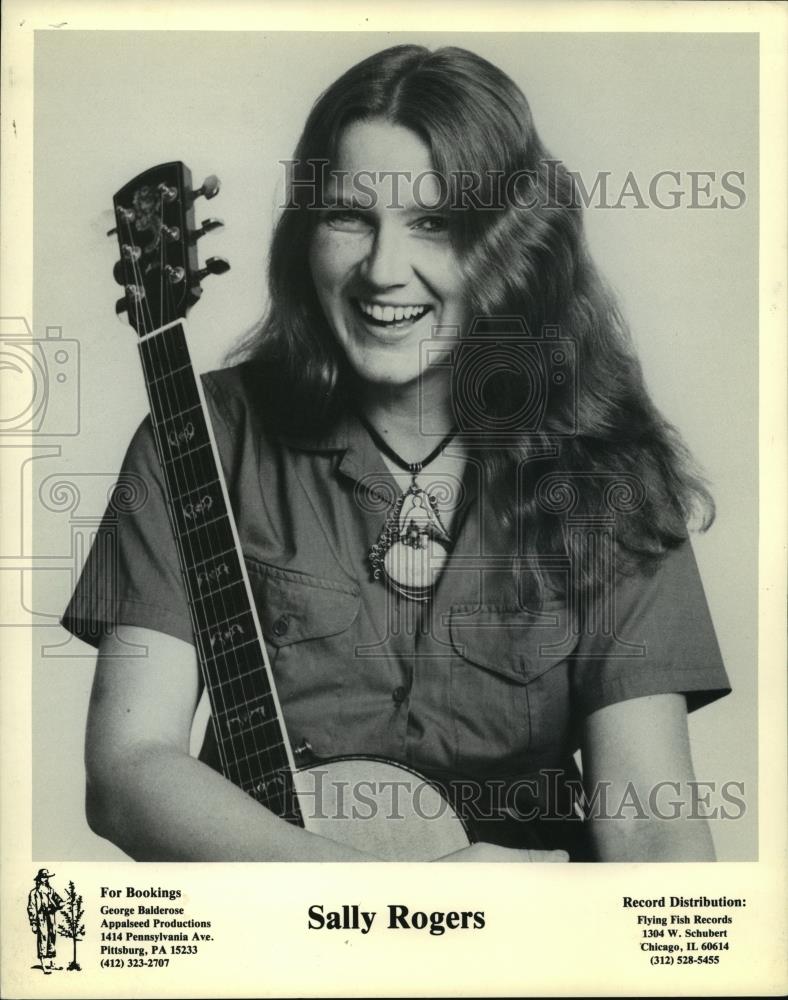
391	314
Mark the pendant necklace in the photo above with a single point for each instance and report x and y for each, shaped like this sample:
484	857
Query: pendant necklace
413	545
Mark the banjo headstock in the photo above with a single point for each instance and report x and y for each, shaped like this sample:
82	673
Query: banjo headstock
157	237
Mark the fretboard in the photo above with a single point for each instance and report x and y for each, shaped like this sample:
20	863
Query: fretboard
246	717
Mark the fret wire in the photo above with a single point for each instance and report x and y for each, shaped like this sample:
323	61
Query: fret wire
280	797
215	517
204	524
238	742
264	696
224	673
236	691
171	419
227	558
251	756
188	453
203	588
247	717
268	793
267	775
169	353
197	464
275	746
238	676
235	740
248	775
243	619
188	449
167	346
202	487
214	657
238	749
190	492
177	414
219	555
240	645
242	745
168	374
230	618
196	487
159	367
270	776
226	586
180	394
241	704
241	692
217	526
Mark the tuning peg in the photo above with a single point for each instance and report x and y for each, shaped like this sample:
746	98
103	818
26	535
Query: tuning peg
214	265
168	193
121	306
206	226
122	214
175	275
119	272
210	188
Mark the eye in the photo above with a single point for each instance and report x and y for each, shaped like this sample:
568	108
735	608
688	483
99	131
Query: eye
432	224
345	219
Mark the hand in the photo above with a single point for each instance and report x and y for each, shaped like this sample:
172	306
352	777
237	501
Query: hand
493	852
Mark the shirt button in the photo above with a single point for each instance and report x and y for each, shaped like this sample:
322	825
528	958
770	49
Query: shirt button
281	626
399	694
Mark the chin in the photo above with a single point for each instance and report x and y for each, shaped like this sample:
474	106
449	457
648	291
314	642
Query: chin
384	367
386	374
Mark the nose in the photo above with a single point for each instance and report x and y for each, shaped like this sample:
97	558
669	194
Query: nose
386	264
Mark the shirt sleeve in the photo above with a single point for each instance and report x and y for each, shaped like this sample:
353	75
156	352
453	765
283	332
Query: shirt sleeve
132	575
652	635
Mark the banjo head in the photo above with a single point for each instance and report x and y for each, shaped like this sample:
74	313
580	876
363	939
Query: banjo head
379	807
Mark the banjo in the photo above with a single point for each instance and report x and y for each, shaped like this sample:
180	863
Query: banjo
161	277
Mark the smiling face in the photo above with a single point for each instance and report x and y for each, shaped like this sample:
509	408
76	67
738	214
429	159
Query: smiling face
381	260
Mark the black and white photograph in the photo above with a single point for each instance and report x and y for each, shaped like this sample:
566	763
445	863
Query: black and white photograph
384	482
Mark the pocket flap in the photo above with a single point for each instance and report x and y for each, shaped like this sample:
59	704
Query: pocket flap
520	644
295	606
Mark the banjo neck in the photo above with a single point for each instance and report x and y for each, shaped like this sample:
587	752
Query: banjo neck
156	234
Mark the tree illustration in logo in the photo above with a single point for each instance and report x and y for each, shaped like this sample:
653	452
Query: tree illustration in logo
71	925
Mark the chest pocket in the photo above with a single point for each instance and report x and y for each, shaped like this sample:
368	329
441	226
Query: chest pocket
307	626
509	686
295	606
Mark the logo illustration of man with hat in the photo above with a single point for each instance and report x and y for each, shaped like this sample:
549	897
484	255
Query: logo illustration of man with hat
42	906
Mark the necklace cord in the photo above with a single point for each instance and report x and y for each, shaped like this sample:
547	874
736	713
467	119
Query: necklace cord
414	468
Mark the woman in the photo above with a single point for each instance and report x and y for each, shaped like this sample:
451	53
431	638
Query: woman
463	519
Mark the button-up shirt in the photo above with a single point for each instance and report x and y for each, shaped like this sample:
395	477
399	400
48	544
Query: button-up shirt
474	682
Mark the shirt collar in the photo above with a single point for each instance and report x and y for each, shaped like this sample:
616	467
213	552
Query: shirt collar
347	434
